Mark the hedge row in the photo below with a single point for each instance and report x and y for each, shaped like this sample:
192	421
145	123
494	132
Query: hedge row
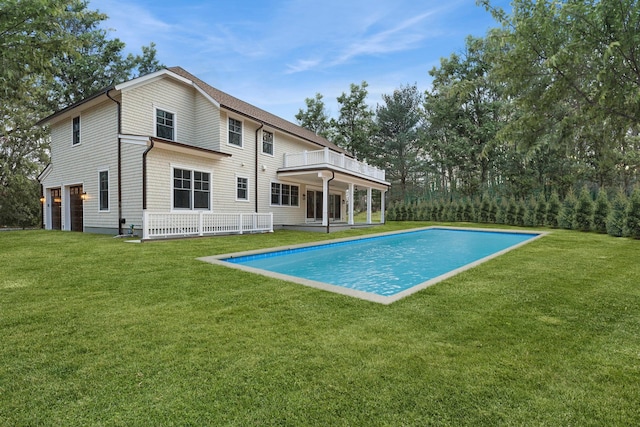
617	215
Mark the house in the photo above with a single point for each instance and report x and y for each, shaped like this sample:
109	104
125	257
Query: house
169	155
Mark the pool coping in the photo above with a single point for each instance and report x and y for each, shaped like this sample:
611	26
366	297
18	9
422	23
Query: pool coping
218	260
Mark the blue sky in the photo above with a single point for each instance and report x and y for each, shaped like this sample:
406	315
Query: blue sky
274	54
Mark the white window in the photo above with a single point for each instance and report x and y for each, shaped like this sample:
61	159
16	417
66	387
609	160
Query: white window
235	132
103	178
76	131
284	194
165	124
191	189
242	188
267	142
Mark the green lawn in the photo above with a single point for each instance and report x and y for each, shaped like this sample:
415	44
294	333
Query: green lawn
97	331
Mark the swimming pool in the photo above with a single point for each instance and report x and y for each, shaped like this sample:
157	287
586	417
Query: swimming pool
381	268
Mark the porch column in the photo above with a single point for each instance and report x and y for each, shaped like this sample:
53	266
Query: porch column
325	200
383	193
369	205
351	202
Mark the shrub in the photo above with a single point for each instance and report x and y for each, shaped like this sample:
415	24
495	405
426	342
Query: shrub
510	215
521	210
600	212
485	209
615	220
530	212
567	215
541	211
501	214
467	212
583	211
632	221
493	211
553	211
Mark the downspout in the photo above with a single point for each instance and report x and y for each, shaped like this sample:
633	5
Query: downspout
333	175
120	221
256	171
144	175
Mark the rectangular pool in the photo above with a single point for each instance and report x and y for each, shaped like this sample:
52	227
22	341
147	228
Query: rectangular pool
381	268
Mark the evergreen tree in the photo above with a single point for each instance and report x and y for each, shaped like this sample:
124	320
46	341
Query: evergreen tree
521	210
567	215
530	212
512	208
501	214
616	218
632	220
553	211
485	209
584	211
600	213
493	211
541	211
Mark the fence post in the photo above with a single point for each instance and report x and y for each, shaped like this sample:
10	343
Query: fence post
145	225
200	223
240	225
326	154
270	222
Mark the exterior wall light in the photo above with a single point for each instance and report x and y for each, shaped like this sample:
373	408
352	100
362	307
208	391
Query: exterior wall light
83	196
42	199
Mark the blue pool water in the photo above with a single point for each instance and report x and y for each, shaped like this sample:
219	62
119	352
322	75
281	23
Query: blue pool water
389	264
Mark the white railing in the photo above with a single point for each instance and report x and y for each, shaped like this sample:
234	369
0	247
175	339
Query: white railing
326	156
184	224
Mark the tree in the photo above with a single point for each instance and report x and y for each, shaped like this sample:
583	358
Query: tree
584	211
355	124
569	67
315	117
600	212
632	219
616	218
463	116
53	54
399	145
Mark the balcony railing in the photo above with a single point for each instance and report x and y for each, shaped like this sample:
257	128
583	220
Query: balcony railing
186	224
328	157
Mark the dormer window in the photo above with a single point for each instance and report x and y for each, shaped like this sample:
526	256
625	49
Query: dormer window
165	124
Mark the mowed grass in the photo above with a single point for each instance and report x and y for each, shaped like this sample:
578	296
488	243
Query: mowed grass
97	331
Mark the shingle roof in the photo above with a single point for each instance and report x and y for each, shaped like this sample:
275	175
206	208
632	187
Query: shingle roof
234	104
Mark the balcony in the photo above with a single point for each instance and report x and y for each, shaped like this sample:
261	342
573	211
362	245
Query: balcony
332	160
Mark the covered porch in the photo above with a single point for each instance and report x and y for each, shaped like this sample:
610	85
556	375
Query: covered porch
331	181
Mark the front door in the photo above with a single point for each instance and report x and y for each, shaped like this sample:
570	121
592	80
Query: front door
56	209
75	208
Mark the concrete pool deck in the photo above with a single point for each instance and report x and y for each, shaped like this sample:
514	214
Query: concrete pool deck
219	260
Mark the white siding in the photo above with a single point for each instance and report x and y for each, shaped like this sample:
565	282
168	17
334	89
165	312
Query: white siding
132	185
139	106
80	164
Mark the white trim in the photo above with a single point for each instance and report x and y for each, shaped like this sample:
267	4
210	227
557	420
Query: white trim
108	210
73	144
45	173
273	143
273	181
192	169
155	121
134	139
248	199
149	78
229	117
131	84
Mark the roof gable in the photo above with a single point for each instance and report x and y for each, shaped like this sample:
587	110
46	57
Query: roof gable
236	105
